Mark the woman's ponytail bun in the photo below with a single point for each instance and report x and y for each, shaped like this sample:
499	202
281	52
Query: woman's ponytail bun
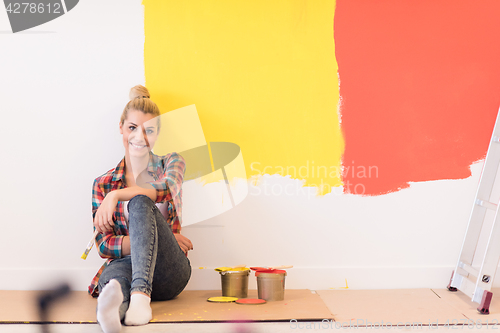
139	91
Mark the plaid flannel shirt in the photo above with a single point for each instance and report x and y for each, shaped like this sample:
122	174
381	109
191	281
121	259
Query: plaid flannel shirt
167	172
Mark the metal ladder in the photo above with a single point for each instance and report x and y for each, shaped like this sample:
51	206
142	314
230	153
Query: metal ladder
477	283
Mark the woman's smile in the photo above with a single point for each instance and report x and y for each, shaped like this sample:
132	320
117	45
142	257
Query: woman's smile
137	146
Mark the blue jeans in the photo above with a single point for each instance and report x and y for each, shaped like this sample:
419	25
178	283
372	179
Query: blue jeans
156	266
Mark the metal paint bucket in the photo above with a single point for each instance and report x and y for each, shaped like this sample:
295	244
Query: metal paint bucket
271	286
235	283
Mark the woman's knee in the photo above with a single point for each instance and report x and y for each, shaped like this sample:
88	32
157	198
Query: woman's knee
140	201
123	281
119	269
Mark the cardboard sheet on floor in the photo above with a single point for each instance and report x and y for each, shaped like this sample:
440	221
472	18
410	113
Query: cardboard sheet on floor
22	306
189	306
192	305
404	306
463	303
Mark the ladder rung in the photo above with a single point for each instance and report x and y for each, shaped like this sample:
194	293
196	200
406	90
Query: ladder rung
486	204
469	269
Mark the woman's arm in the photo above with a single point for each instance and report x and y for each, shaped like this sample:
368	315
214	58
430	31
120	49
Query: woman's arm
125	194
184	243
103	219
126	246
108	244
170	182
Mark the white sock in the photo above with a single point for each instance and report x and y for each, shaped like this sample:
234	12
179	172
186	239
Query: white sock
108	305
139	311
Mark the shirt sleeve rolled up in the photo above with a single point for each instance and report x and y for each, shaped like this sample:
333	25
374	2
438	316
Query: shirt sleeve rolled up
109	245
170	183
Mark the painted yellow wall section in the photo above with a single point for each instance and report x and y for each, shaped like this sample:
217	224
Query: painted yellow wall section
262	74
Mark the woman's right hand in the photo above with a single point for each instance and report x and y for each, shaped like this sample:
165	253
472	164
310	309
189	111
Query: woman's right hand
103	220
184	242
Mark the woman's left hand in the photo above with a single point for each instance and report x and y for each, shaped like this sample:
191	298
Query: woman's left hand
184	243
103	220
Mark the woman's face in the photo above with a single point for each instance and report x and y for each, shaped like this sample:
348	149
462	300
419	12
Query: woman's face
140	132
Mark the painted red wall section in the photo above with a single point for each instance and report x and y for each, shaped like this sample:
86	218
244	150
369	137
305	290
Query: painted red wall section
420	89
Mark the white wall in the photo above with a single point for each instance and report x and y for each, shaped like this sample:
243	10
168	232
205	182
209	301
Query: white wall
63	86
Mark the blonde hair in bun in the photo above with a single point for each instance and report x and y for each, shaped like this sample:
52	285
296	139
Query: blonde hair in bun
138	91
140	101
